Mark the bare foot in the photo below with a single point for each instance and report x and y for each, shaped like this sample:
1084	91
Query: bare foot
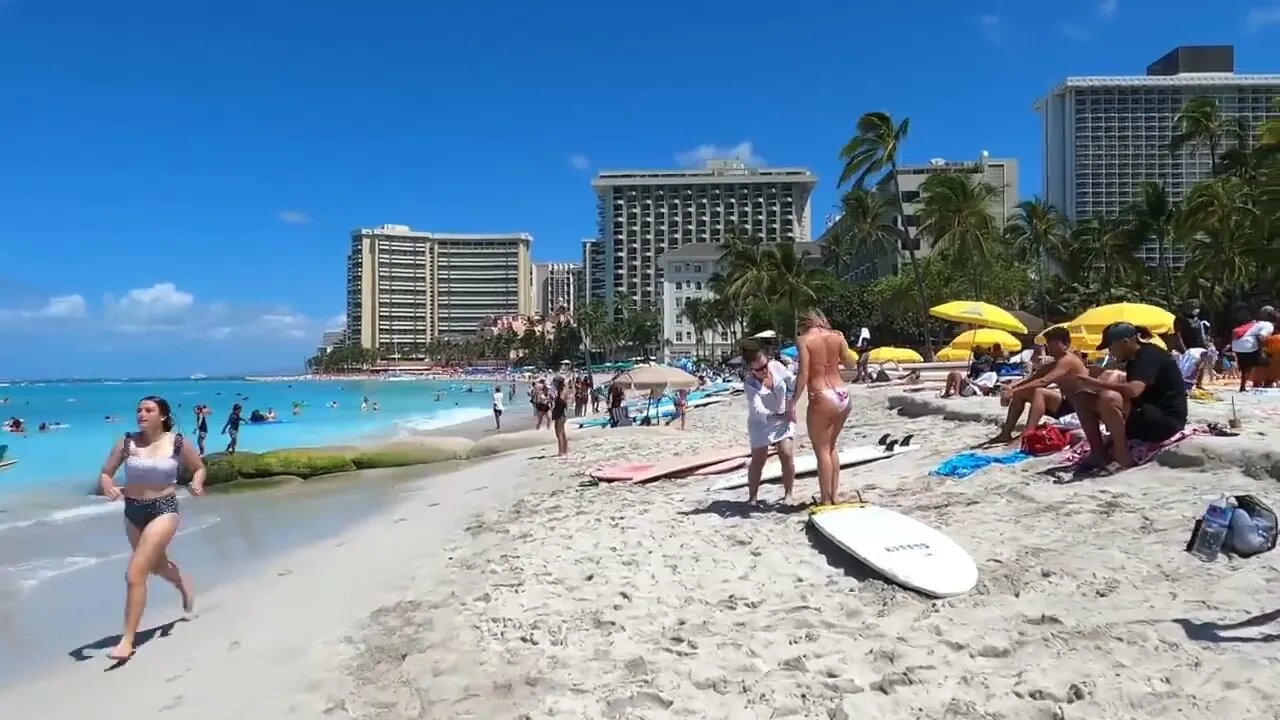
788	499
121	652
188	597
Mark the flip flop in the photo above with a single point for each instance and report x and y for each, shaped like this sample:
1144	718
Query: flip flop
122	658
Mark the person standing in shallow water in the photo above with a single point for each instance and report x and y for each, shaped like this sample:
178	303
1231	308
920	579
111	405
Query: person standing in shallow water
231	428
152	457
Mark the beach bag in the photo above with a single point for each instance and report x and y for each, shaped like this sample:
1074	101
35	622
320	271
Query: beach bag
1264	522
1044	440
1241	330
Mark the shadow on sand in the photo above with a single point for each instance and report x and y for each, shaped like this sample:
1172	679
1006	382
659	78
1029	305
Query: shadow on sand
105	644
1212	631
743	509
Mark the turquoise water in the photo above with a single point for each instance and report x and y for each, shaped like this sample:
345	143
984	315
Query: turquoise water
66	461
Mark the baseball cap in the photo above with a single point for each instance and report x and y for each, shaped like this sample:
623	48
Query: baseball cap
1115	332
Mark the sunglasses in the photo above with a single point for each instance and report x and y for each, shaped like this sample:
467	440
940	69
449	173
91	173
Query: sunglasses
758	369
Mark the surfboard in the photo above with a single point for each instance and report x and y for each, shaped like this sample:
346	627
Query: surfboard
807	464
620	472
6	463
902	549
683	465
727	466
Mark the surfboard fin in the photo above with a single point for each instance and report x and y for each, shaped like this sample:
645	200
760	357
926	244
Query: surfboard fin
884	439
906	441
892	444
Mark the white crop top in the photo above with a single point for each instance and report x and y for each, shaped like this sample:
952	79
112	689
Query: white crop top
154	472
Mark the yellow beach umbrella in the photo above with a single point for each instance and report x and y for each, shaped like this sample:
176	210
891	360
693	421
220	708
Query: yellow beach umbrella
978	313
894	354
986	337
1157	320
851	356
953	354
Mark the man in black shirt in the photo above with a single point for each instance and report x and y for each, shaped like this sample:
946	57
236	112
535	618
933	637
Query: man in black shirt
1149	404
1190	330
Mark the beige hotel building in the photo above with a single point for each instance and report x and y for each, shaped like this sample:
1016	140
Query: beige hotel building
407	288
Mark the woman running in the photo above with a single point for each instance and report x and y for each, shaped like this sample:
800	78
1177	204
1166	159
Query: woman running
151	458
822	351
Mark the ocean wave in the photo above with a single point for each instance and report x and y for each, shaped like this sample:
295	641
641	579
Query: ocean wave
27	575
435	421
79	512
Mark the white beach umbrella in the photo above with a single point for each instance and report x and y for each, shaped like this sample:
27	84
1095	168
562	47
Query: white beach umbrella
656	377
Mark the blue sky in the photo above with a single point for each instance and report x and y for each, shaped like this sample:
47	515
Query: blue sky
179	178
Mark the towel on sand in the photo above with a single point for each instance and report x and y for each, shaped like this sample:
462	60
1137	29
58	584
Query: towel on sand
968	463
1141	452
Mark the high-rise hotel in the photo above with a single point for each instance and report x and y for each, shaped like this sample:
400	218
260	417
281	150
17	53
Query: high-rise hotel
643	213
1103	136
407	288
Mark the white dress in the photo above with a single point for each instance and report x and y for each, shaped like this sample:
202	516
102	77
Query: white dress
766	424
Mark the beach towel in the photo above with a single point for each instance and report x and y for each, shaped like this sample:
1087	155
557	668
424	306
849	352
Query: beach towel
967	463
1141	452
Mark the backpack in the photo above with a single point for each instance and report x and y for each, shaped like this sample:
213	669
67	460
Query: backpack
1242	330
1044	440
1261	513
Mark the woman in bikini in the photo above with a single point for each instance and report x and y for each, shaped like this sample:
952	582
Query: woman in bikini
822	351
151	458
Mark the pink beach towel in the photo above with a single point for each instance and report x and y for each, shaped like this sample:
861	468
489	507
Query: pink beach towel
1141	452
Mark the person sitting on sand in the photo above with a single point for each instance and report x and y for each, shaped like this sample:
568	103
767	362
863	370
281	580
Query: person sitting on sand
771	418
981	377
1035	390
1193	363
1145	402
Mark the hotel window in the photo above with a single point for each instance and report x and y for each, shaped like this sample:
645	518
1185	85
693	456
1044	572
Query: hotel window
678	288
697	267
679	337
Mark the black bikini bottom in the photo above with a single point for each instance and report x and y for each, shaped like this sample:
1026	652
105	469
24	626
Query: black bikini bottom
140	513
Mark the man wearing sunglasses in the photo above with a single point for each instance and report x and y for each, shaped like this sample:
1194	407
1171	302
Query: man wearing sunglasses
771	418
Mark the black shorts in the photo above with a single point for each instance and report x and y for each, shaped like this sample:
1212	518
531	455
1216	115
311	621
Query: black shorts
557	411
1064	409
1148	423
140	513
1249	360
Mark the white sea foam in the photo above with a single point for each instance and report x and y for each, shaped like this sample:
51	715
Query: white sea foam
453	416
79	512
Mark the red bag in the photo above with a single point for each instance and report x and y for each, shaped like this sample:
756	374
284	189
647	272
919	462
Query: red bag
1044	440
1240	330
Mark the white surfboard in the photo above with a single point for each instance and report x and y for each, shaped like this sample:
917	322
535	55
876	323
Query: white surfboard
902	549
807	464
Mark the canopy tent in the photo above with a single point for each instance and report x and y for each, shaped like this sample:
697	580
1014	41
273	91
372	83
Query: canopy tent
656	377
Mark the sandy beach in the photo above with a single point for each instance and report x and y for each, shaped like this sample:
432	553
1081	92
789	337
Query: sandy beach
519	588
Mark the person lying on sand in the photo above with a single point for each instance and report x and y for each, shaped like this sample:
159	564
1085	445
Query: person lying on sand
1146	401
1034	390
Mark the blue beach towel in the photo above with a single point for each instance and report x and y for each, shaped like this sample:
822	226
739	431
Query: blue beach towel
968	463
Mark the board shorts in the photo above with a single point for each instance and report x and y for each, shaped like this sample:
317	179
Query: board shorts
1148	423
140	512
1249	360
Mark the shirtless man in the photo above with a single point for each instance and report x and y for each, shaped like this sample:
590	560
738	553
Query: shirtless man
1034	390
822	351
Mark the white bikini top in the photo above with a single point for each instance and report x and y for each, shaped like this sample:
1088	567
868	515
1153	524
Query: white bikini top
154	472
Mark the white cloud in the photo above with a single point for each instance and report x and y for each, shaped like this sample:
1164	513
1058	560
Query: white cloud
579	161
743	151
295	217
162	305
60	307
991	29
1108	8
1075	32
1261	18
63	306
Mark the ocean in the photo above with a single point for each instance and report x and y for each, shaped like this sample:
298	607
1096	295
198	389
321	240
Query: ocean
60	546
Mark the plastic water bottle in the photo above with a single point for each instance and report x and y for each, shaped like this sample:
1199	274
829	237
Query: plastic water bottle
1213	530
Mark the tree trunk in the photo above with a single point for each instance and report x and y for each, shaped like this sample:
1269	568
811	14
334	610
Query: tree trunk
915	266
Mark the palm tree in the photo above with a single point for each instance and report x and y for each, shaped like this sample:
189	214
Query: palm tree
1038	235
697	312
1152	215
1201	122
872	154
867	230
790	280
955	214
1222	254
